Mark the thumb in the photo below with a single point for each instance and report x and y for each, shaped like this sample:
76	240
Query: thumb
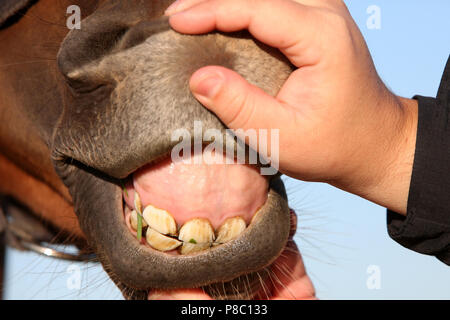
236	102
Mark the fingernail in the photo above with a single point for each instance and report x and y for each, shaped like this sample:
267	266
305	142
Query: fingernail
209	86
172	8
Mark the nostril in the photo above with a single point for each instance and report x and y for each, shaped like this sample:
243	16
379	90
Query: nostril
104	41
141	32
82	47
95	40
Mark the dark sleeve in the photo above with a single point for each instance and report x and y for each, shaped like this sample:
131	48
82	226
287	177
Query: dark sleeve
426	227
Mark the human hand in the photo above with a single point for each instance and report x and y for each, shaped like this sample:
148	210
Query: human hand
338	122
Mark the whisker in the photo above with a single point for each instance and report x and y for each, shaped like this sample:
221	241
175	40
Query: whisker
263	285
282	284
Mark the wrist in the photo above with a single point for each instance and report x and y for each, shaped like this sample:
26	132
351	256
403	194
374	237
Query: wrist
392	189
382	166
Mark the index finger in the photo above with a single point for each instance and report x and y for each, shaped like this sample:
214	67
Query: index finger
283	24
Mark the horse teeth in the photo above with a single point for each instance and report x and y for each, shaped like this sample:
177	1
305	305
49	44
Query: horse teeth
197	231
230	230
197	235
137	202
134	219
160	220
188	247
255	215
161	242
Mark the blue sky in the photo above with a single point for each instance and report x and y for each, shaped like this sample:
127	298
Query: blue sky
340	235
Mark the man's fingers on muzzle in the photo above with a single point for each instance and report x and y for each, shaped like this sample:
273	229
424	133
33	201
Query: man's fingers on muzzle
282	24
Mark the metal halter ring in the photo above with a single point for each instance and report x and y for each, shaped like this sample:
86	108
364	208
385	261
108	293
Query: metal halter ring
48	251
17	236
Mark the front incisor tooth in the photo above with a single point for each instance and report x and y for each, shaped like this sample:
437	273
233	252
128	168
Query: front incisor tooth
188	247
133	220
160	220
230	230
197	231
197	235
161	242
255	215
137	202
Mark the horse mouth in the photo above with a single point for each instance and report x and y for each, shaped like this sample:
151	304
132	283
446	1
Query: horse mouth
218	227
190	207
193	204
